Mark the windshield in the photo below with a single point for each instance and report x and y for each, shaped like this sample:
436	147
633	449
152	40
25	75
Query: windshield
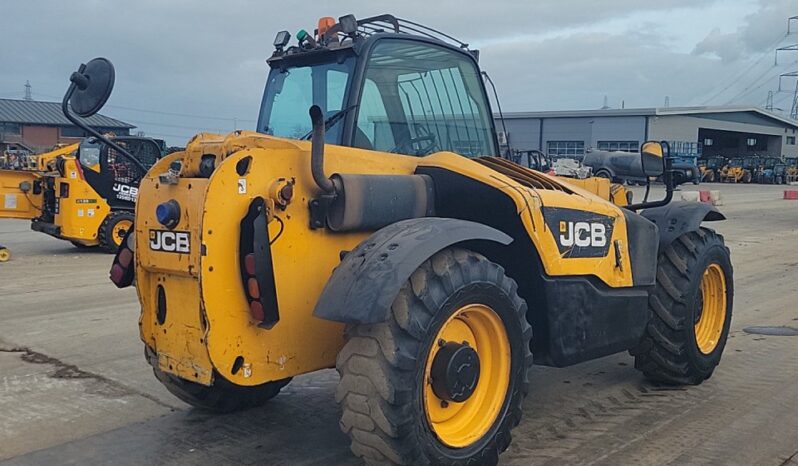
290	92
90	154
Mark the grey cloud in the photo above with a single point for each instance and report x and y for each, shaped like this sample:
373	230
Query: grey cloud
208	58
760	32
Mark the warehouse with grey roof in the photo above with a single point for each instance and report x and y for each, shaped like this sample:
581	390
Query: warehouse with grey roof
698	131
35	126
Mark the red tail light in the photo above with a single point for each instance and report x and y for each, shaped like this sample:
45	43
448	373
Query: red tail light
255	263
123	269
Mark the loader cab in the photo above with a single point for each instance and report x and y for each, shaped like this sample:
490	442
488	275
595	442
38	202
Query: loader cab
114	177
385	91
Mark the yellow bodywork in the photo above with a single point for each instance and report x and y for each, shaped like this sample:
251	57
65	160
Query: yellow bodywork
81	214
208	325
729	174
78	216
16	202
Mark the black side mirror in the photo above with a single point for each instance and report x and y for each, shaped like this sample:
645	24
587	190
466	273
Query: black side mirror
89	89
93	83
652	158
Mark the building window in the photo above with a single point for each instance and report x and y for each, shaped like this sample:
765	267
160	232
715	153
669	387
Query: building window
10	128
565	148
791	140
623	146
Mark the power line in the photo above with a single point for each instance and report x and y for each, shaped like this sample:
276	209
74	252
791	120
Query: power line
185	115
746	91
159	112
739	76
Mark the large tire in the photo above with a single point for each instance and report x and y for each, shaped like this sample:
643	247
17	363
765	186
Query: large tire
222	396
385	392
113	230
678	346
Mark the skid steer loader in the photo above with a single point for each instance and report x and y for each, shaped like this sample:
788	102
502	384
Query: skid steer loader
83	193
383	235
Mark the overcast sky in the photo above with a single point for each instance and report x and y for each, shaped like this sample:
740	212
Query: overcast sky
188	65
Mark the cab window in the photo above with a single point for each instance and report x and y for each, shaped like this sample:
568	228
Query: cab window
421	98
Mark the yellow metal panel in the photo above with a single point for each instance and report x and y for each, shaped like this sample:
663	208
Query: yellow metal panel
81	214
13	202
204	288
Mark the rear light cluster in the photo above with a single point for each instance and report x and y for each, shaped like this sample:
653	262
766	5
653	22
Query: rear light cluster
257	271
253	290
123	269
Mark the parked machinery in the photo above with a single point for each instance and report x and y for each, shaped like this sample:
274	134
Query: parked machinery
772	170
395	244
791	170
83	193
710	168
735	172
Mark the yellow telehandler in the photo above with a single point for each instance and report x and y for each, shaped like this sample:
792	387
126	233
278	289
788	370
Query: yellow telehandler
381	232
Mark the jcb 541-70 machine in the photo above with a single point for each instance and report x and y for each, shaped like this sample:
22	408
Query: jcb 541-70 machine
383	235
83	193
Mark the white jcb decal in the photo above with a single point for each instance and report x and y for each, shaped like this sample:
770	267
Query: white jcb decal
583	234
242	186
170	241
125	192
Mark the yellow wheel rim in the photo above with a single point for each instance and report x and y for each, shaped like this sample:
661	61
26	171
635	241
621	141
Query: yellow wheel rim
458	425
709	325
4	255
119	231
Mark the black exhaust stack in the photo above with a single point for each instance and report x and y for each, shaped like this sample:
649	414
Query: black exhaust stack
317	151
352	202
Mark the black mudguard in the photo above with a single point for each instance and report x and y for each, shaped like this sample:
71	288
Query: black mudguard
680	217
363	287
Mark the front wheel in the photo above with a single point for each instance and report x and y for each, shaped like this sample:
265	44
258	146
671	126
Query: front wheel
113	230
691	310
442	381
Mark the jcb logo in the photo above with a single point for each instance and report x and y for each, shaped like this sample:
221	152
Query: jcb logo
579	233
170	241
126	192
583	234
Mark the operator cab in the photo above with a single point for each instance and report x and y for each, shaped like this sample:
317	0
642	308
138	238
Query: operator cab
412	93
114	176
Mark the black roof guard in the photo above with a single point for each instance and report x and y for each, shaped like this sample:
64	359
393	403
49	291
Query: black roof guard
377	24
335	38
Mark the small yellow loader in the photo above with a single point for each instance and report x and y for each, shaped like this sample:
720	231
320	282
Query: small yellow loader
381	232
83	193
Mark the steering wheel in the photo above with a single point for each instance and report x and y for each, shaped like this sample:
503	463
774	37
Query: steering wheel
422	144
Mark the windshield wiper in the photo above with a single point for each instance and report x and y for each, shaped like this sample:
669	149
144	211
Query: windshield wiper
332	120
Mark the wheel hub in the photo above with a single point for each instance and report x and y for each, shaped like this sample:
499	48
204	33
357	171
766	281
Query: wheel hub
455	372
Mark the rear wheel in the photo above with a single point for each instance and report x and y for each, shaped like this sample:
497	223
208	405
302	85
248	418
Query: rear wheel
113	230
221	397
442	381
604	174
5	254
691	310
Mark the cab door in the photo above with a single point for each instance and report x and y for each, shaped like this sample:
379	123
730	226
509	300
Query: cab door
21	194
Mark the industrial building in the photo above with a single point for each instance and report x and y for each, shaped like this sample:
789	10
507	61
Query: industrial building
35	126
701	131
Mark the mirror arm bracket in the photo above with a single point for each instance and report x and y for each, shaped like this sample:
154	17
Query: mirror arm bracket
667	177
76	80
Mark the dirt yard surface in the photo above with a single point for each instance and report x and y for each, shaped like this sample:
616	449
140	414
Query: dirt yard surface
75	389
